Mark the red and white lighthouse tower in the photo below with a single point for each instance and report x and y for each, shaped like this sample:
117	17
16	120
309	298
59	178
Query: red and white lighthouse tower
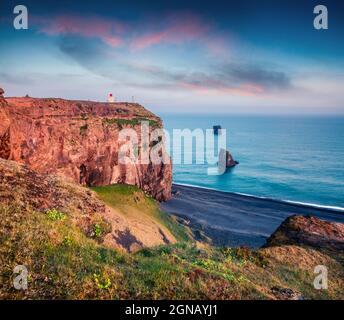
111	98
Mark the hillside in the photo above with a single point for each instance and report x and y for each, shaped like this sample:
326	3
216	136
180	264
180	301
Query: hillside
132	222
71	241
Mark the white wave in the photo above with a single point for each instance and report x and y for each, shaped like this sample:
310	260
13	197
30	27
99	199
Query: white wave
314	205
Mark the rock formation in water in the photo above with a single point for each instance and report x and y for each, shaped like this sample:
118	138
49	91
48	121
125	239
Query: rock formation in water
227	159
230	162
79	139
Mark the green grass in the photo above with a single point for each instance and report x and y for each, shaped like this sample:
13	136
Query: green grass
124	197
98	231
65	262
179	231
130	122
55	215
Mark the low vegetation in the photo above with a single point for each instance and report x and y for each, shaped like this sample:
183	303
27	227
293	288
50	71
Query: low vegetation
130	122
130	200
66	263
54	215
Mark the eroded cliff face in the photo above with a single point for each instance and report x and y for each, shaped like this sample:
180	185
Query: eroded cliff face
80	139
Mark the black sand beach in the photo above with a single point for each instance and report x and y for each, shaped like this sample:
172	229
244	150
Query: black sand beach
236	220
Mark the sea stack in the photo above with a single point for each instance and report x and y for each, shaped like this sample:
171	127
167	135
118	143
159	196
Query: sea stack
229	160
226	161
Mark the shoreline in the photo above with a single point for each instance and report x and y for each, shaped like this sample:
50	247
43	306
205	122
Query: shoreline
231	219
335	209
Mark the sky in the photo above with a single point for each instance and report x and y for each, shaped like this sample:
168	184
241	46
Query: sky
246	57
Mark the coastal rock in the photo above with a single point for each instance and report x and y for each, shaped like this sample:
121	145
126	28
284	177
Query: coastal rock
4	130
42	192
229	160
80	139
309	231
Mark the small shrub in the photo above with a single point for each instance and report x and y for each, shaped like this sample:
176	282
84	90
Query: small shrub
130	122
84	116
146	253
260	260
98	231
55	215
67	241
102	282
159	251
242	255
83	129
228	276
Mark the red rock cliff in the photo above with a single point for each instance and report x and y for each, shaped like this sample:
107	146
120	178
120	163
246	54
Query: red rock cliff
79	139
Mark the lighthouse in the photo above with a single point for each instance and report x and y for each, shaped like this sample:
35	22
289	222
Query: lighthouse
111	98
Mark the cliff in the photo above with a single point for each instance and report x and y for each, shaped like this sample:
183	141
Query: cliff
79	139
127	228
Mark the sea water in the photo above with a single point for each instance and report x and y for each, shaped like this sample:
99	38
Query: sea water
289	158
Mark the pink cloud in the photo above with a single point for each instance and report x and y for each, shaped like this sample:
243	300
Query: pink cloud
107	30
148	40
244	90
180	29
175	28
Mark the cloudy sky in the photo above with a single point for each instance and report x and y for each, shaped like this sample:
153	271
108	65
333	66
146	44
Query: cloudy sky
242	56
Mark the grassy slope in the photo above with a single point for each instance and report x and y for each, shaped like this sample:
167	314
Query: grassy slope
130	200
63	263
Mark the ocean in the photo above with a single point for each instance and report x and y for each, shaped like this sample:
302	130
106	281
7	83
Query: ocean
289	158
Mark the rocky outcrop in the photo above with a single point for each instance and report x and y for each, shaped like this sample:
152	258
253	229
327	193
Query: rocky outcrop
31	191
42	192
80	139
309	231
285	294
229	161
